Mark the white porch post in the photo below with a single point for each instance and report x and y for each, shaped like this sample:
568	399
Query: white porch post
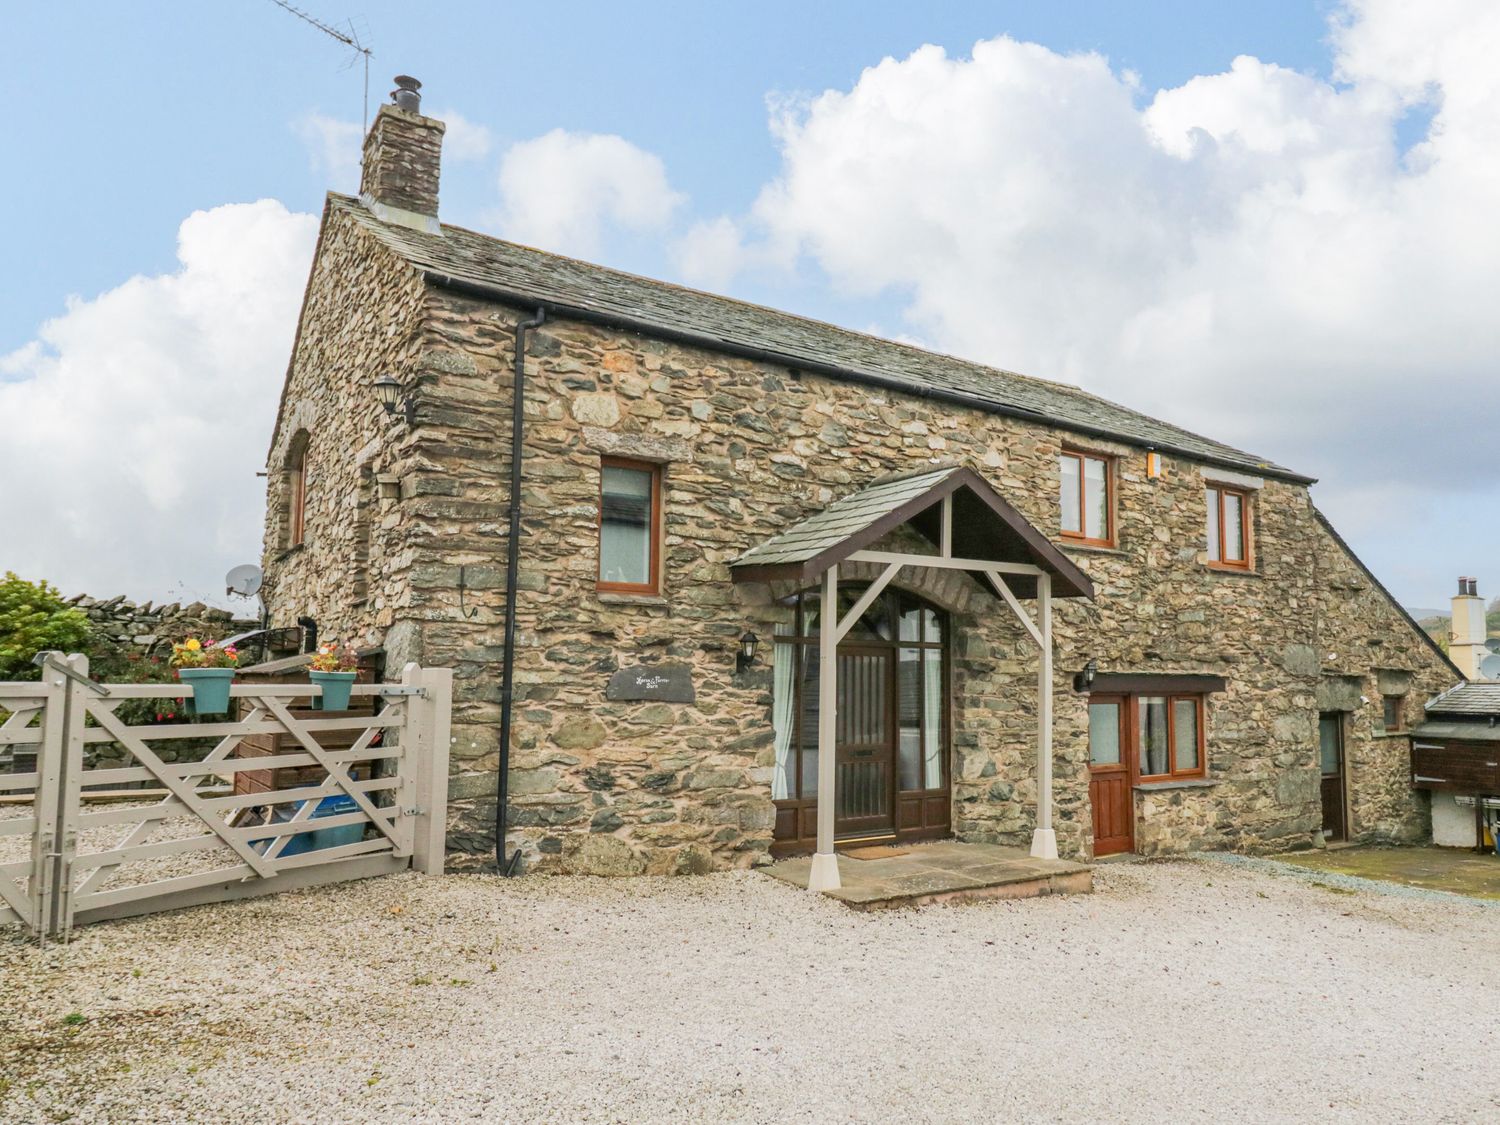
1044	839
824	875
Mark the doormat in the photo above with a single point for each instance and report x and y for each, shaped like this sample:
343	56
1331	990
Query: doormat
877	851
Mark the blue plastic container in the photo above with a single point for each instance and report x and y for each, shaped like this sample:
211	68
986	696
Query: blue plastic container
317	838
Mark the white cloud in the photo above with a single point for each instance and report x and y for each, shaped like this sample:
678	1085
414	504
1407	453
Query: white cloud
558	191
1248	254
136	421
333	149
463	139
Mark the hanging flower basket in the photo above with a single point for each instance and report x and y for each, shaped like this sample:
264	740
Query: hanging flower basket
208	670
333	669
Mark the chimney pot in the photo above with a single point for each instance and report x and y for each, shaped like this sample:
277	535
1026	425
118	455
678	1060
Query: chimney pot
402	161
405	94
1463	585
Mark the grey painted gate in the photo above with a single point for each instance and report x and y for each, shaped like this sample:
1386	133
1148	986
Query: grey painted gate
67	858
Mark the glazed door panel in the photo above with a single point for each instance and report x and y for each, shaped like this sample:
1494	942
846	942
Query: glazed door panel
1110	791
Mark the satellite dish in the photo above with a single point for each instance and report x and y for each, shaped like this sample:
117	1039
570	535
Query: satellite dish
243	580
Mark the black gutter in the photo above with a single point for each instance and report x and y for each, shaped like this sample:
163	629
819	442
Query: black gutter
512	575
844	374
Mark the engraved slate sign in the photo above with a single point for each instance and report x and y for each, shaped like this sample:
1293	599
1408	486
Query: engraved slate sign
660	683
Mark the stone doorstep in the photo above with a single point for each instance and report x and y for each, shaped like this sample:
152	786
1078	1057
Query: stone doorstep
944	872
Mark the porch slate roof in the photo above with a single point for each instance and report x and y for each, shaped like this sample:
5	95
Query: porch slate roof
520	275
1468	700
988	527
843	518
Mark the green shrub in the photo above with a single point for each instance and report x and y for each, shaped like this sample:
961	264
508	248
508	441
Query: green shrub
34	617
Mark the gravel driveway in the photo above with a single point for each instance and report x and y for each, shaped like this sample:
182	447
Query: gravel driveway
1179	991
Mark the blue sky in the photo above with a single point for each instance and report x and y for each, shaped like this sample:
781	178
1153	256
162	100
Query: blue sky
1270	222
148	112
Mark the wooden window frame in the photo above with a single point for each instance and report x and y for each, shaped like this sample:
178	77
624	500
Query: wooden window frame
1247	523
1079	538
655	541
1124	737
1131	746
1400	702
296	490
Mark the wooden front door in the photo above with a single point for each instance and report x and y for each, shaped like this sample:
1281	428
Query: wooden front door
1331	758
1109	776
865	758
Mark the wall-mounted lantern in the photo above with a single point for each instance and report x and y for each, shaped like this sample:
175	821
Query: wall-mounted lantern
1084	680
1153	465
746	656
388	392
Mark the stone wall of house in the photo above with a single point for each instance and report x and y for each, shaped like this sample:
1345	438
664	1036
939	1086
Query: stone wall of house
748	448
361	319
1368	648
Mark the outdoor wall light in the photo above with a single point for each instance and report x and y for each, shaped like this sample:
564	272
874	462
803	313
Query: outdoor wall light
746	656
1085	679
388	392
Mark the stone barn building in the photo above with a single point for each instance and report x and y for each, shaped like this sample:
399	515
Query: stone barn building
762	558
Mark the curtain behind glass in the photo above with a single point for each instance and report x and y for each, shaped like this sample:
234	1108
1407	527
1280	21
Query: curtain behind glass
783	713
932	703
1153	731
625	526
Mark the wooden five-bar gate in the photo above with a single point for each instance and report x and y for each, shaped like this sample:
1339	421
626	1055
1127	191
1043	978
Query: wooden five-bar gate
193	837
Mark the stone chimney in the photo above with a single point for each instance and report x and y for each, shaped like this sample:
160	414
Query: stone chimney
402	158
1466	641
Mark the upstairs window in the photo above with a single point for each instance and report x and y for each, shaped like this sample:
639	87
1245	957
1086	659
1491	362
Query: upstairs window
1228	527
1087	498
1391	712
629	526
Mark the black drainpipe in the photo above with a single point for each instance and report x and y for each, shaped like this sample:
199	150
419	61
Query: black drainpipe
512	574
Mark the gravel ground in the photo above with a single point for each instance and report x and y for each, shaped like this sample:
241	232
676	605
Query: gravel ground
1185	991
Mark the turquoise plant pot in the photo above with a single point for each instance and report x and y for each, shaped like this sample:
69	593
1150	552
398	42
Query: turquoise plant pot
210	689
336	687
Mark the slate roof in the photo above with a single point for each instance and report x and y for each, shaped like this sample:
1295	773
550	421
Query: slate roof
842	519
521	275
985	526
1480	701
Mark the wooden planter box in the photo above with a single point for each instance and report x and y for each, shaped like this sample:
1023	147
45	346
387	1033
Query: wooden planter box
293	670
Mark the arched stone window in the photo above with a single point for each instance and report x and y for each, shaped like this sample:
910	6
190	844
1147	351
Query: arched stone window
294	491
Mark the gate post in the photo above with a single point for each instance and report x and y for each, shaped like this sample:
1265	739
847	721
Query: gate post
45	850
425	747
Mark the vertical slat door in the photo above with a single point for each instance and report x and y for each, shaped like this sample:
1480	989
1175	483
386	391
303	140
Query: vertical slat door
865	746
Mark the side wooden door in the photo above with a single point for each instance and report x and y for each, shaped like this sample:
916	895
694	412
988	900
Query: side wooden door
1331	758
1110	792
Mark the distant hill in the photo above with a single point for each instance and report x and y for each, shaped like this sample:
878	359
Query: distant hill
1425	615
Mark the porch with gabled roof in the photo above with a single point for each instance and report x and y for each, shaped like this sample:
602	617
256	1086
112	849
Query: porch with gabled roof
973	529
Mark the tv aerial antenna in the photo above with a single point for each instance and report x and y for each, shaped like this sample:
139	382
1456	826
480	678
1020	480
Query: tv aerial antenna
350	38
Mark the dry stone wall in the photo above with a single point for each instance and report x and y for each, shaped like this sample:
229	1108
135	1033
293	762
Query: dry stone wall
148	630
621	787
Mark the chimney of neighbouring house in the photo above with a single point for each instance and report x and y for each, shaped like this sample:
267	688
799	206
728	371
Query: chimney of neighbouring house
402	158
1466	640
